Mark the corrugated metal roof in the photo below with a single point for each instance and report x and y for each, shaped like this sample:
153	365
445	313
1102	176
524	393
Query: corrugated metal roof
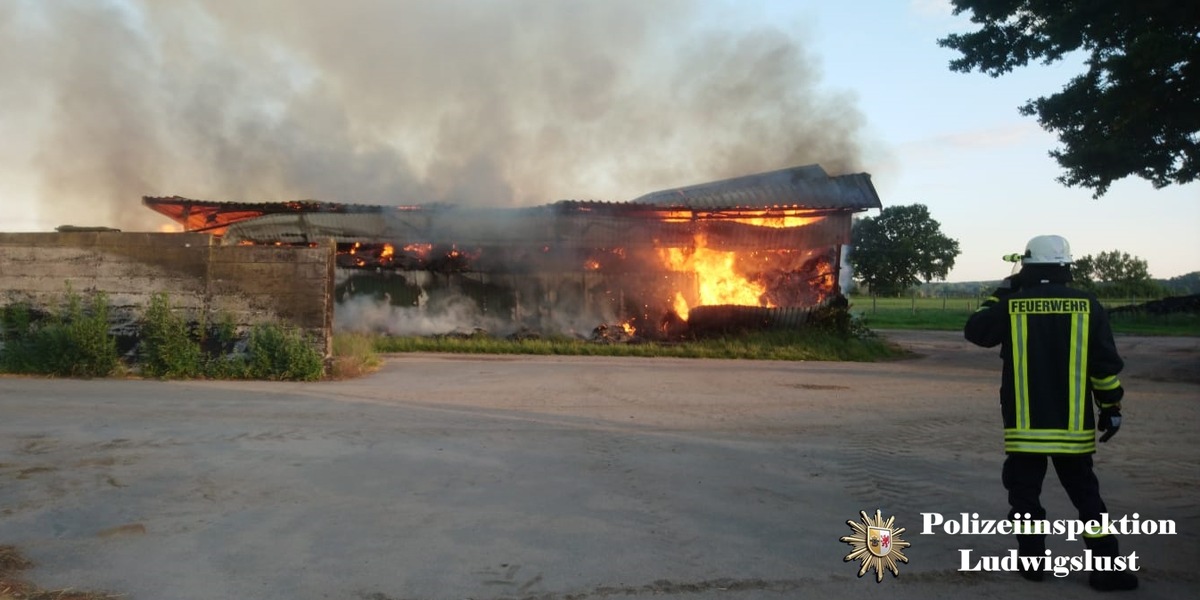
799	187
806	188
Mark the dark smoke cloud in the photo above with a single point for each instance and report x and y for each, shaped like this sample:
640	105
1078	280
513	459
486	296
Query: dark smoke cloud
384	101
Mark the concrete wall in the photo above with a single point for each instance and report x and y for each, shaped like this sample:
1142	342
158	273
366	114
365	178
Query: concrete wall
252	284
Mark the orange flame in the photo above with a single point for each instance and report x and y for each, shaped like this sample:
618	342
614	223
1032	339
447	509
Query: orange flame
387	251
421	250
775	218
591	264
718	280
680	306
777	221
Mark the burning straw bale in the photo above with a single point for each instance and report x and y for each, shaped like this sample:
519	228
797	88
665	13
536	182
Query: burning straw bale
621	333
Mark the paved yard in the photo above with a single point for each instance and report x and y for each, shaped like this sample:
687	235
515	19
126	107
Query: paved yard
564	478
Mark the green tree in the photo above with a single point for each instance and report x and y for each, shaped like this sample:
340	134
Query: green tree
1115	274
1135	111
900	248
1188	283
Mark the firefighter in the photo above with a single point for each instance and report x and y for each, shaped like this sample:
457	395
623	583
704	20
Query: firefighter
1059	357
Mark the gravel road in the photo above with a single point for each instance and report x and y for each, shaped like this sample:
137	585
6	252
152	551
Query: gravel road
487	477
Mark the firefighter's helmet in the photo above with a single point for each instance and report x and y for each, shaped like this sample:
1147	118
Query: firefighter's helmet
1047	250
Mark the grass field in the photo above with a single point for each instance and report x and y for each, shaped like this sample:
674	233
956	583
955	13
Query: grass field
949	314
357	350
758	345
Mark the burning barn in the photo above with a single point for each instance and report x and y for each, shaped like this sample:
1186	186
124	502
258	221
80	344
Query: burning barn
763	247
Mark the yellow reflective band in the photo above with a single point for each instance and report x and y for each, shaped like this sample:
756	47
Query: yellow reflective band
1094	532
1049	434
1048	306
987	303
1048	438
1049	441
1105	384
1049	448
1077	369
1020	332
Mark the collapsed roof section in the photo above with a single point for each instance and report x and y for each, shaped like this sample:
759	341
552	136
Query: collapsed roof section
204	216
783	193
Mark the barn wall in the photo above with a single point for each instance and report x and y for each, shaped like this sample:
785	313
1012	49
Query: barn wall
251	284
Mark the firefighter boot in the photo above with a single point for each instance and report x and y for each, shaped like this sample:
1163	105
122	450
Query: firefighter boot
1031	545
1107	581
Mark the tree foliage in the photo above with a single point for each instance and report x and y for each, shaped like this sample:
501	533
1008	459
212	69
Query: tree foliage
900	248
1188	283
1135	111
1115	274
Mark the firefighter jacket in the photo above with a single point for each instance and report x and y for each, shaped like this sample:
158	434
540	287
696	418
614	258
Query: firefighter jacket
1059	355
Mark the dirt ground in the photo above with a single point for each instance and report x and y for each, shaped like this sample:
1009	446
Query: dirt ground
577	478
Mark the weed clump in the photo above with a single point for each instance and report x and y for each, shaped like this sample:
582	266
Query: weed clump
167	349
70	342
75	342
276	352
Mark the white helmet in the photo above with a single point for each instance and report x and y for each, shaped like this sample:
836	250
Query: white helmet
1047	250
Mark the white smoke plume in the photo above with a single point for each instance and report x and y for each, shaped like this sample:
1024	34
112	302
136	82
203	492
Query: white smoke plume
485	102
441	306
455	314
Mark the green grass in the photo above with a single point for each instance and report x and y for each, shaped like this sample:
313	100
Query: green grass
951	314
354	354
761	345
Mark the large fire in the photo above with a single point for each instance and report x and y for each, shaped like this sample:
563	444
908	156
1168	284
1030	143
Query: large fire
718	277
646	269
761	277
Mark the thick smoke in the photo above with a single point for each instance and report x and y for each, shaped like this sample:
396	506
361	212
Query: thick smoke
451	314
500	103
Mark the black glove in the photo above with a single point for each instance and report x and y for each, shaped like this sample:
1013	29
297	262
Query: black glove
1110	422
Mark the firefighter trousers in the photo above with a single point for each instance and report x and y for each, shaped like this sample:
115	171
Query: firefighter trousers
1023	476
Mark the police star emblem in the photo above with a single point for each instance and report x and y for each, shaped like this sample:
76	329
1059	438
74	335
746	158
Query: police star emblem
877	544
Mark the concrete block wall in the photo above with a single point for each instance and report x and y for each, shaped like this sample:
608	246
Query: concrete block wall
252	284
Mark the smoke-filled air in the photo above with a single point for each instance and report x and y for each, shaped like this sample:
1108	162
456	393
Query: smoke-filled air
499	103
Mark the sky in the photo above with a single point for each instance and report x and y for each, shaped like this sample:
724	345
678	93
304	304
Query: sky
524	102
